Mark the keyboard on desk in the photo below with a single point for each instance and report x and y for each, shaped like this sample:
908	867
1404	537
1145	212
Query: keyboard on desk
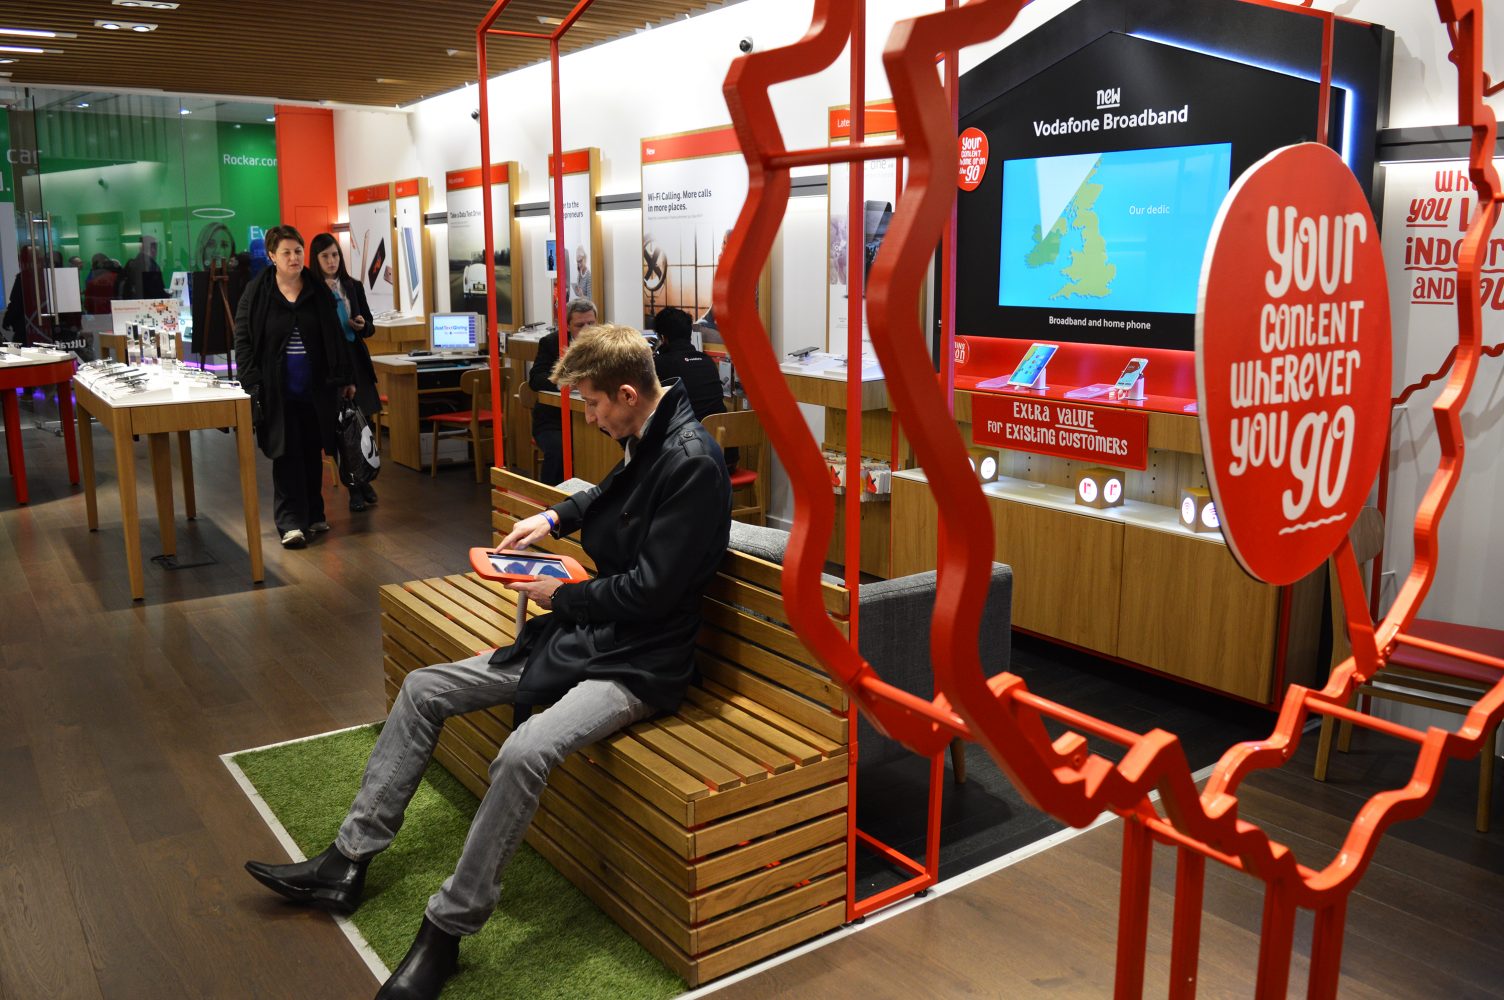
446	375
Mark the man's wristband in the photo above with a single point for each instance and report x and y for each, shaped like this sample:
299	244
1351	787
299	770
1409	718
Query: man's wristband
552	519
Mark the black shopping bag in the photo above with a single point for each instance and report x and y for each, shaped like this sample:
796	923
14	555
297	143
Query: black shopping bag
357	456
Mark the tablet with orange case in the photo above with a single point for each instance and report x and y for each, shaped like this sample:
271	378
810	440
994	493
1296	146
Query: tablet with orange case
513	566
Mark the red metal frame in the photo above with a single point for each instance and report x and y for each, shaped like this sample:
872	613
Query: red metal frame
1061	776
483	31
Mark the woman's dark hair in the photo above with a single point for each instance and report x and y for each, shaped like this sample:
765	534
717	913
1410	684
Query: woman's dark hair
322	242
277	234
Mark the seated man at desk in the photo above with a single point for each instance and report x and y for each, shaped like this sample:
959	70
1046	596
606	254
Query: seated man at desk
678	359
548	434
615	650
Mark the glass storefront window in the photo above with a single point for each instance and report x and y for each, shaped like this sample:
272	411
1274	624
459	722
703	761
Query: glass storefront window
125	197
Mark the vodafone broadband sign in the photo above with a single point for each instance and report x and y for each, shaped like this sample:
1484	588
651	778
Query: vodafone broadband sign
1292	360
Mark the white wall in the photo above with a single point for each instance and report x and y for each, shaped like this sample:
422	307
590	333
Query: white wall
669	80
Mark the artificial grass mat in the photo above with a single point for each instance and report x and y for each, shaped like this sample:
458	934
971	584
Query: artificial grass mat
546	939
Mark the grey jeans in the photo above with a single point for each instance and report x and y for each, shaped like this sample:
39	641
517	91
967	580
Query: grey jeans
592	710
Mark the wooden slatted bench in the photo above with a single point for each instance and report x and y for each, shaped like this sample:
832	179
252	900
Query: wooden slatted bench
716	836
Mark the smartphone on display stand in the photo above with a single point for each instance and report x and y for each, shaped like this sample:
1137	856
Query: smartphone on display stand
377	259
1130	384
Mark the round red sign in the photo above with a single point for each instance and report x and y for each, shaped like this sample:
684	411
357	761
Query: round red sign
973	165
1292	360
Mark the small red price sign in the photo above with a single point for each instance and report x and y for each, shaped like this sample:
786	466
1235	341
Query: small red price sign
973	165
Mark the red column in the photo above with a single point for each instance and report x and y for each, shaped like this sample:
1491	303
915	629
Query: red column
305	169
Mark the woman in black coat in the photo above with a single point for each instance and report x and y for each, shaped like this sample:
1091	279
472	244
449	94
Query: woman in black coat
356	326
290	353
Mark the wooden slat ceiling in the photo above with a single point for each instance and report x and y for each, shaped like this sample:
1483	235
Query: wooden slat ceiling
323	50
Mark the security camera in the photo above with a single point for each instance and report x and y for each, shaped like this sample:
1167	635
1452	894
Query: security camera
475	115
745	44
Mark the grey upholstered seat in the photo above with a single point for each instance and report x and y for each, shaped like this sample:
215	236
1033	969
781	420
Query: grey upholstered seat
894	628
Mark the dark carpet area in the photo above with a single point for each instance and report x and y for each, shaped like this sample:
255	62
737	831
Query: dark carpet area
987	818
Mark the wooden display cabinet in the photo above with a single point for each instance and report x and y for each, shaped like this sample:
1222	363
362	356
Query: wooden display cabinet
1130	582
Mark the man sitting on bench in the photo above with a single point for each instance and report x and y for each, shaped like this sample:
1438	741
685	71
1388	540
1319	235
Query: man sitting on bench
615	650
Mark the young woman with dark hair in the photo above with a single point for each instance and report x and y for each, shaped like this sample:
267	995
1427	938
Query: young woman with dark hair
356	325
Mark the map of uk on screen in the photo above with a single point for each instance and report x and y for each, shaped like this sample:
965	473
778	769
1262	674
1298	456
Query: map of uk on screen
1122	230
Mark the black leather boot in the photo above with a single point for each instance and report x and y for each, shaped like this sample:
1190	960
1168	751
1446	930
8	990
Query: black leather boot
433	958
330	881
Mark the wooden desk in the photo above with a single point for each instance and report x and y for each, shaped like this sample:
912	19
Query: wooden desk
517	421
157	418
29	373
397	379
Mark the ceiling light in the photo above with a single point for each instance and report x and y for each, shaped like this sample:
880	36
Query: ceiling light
387	79
29	50
271	118
143	27
550	20
107	25
184	111
33	33
6	61
81	105
118	25
149	4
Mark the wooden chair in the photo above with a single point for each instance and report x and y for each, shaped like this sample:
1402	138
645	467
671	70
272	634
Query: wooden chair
527	398
749	483
1415	676
476	383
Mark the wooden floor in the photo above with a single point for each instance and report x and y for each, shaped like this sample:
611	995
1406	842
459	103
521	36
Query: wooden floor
1427	921
122	836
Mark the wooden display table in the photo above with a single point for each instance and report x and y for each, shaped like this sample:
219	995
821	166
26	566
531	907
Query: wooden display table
29	373
1130	582
156	418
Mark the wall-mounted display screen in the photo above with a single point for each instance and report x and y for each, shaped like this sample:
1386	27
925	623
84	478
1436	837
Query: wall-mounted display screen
1108	165
1121	230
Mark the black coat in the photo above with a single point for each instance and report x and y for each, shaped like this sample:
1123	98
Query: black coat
366	395
657	529
544	416
259	358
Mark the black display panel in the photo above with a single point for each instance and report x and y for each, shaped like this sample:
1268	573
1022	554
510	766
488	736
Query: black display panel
1105	172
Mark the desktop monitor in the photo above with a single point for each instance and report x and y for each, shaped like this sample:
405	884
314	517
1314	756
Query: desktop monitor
455	333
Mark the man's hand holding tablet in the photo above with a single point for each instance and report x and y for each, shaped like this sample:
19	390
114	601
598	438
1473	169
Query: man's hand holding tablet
534	574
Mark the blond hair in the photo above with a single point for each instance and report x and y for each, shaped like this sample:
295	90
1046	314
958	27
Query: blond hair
608	356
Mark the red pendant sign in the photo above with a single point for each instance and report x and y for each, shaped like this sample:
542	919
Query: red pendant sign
1292	360
1102	434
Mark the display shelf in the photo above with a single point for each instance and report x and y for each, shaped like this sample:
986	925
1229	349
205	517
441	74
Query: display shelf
1153	516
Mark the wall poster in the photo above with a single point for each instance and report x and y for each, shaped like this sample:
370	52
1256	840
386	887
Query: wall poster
413	285
370	255
464	191
880	195
578	254
693	188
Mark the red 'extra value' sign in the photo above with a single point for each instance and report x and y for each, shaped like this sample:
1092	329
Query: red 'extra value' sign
1292	360
972	147
1102	434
